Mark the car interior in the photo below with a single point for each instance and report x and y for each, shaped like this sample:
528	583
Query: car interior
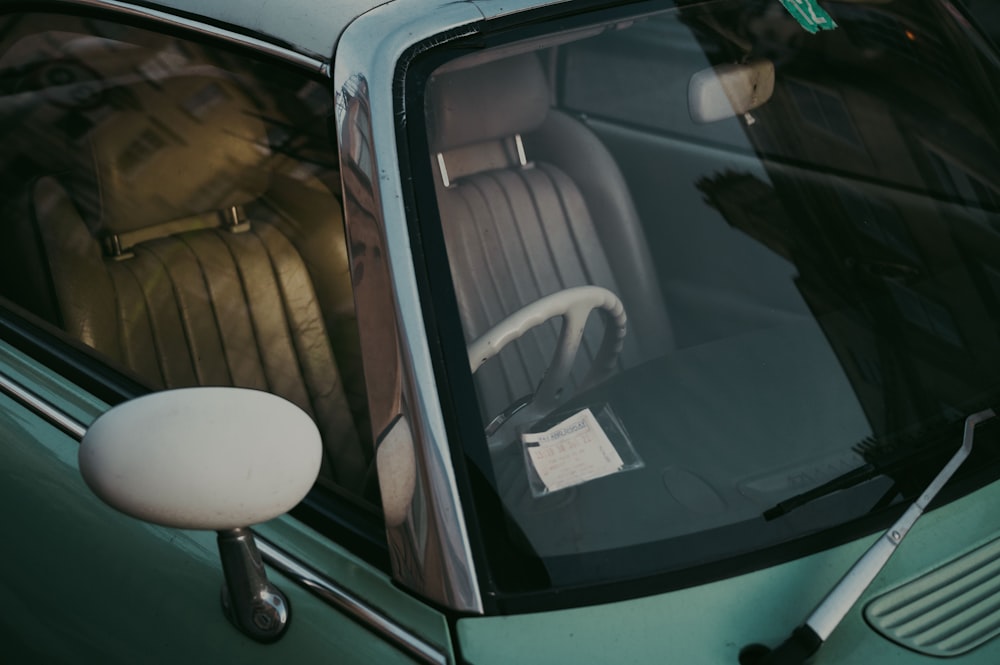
518	230
545	182
182	230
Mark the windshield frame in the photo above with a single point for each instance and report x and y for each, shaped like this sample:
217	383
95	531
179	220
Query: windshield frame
511	580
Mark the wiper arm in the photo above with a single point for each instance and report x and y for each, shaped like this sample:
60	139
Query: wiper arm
809	637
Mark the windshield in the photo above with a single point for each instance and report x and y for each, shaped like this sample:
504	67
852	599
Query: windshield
785	229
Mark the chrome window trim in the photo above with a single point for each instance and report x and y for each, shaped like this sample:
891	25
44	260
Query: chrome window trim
336	596
432	553
314	63
37	405
300	573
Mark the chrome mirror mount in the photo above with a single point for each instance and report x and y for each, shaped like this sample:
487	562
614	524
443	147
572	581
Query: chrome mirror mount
216	459
251	602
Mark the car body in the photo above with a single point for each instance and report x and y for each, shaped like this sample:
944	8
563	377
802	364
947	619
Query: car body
786	214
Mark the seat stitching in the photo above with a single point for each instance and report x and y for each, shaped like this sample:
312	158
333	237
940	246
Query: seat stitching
182	315
286	319
148	311
243	286
535	337
572	230
491	219
533	185
185	240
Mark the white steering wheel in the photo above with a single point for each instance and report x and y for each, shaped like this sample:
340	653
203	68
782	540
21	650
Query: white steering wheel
574	305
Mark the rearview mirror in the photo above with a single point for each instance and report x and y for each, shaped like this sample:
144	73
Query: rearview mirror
725	91
210	458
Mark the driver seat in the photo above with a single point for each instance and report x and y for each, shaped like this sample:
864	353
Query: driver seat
531	203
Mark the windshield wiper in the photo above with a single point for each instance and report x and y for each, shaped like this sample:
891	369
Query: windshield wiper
809	637
882	458
855	476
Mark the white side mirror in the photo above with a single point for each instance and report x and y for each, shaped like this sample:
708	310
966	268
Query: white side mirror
202	458
210	458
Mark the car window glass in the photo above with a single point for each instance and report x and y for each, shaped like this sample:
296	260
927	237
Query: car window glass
175	207
706	261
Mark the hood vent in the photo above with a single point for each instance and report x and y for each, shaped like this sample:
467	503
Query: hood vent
947	611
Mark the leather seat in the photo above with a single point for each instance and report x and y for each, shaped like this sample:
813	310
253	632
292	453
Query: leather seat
532	203
176	256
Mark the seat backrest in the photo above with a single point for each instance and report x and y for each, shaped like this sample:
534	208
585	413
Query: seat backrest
166	257
532	203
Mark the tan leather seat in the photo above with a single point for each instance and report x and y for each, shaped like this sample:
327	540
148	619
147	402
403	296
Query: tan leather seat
179	256
523	221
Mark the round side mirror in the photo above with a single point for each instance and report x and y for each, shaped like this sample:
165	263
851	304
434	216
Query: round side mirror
210	458
202	458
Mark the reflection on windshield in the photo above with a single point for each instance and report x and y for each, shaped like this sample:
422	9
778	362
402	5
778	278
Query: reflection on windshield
802	274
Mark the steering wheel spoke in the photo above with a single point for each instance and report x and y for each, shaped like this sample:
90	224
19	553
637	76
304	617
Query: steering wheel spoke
574	306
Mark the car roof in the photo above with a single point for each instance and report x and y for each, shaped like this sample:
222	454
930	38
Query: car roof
309	26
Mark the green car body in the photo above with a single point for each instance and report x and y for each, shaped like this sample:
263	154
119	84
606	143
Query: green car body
156	599
434	569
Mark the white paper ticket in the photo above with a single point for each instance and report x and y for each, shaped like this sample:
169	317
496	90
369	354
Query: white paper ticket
573	452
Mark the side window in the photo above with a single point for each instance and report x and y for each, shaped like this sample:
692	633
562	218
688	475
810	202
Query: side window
176	208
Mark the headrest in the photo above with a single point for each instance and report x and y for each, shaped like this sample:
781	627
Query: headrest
186	146
487	102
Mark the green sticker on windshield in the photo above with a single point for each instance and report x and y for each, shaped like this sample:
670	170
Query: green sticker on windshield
809	15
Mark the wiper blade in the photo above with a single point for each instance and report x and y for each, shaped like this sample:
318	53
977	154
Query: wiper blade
855	476
882	458
809	637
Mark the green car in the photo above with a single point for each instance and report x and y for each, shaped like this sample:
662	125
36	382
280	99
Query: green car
499	332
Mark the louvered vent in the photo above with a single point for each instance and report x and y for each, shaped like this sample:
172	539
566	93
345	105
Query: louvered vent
948	611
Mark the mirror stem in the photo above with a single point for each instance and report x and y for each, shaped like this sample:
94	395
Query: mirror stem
251	602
